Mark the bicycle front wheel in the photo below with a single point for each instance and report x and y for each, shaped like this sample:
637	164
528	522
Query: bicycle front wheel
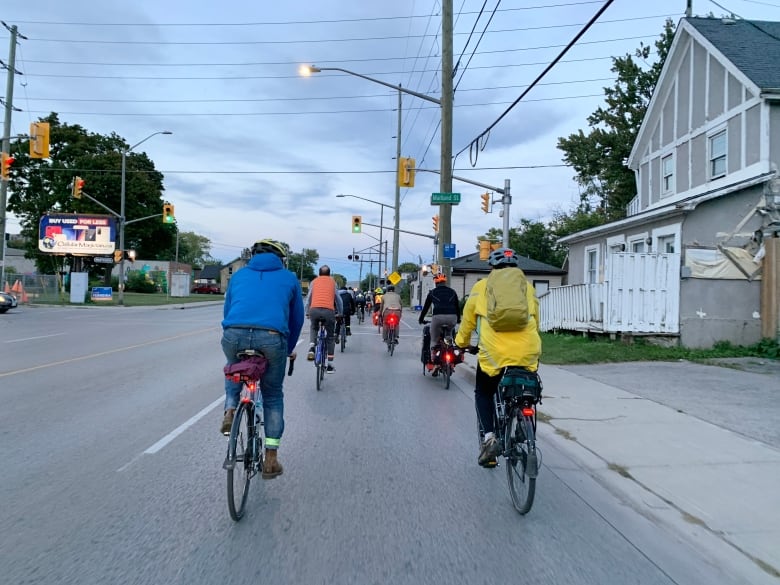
343	337
239	462
521	459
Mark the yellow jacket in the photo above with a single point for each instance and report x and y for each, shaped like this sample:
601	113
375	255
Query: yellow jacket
500	349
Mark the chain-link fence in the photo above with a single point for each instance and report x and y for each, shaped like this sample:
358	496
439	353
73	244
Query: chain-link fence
32	288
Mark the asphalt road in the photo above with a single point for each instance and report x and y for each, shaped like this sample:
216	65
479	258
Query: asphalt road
111	472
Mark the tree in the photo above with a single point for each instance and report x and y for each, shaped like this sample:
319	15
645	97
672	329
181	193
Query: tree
40	186
532	239
303	263
408	267
599	157
194	250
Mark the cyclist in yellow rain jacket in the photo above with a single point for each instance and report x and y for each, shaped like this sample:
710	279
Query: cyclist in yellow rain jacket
497	349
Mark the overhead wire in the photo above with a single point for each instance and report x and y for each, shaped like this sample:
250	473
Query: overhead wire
476	145
475	47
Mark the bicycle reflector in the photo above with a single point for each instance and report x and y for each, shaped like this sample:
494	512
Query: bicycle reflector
392	320
528	412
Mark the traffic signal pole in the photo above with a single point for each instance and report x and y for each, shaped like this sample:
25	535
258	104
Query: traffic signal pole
445	181
6	142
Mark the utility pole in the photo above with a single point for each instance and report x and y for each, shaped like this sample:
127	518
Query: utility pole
397	223
6	143
445	184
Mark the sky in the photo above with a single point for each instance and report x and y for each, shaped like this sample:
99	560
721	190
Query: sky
260	151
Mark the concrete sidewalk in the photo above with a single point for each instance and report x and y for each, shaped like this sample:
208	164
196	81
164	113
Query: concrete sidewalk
718	487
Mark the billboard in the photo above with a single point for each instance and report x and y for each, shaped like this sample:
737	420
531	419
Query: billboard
77	234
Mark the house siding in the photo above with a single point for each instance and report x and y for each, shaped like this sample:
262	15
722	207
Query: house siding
735	92
655	183
717	88
734	135
753	135
774	133
667	130
684	94
682	180
699	85
698	160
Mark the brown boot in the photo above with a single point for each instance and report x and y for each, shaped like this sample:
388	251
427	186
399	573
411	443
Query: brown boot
227	422
271	465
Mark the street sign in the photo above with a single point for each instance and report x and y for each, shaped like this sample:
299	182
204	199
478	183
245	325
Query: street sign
449	250
395	278
103	260
439	198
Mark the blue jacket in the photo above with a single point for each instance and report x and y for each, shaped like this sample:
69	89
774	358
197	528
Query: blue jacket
265	295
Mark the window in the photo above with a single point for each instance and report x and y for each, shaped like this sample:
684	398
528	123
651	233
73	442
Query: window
666	244
667	174
718	155
638	246
591	266
541	287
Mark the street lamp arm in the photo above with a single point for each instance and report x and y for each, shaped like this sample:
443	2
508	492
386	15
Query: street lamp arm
464	180
402	89
147	138
364	199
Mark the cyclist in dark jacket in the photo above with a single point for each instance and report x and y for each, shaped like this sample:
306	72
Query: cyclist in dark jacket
348	306
446	310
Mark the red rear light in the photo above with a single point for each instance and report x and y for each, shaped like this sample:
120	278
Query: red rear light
391	320
448	357
528	412
236	377
251	386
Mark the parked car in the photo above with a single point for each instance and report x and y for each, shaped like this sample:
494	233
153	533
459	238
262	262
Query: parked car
7	301
207	288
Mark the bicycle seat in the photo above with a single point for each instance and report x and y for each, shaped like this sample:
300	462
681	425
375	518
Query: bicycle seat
245	353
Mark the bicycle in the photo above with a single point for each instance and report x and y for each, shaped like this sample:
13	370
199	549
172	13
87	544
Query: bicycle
446	357
515	418
341	332
361	314
244	457
321	353
391	331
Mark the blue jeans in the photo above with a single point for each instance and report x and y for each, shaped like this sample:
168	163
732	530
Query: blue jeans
274	347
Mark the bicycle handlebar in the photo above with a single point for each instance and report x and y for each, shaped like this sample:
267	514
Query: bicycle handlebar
292	365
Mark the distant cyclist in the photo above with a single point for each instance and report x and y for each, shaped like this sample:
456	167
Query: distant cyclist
263	311
446	310
375	306
323	302
348	307
390	305
497	349
360	303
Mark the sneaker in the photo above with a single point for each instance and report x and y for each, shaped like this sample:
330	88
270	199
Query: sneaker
435	373
338	340
310	355
227	422
348	332
330	369
488	453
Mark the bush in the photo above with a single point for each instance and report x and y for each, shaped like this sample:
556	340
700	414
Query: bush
137	282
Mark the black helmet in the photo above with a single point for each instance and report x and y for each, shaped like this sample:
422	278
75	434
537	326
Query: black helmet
390	288
503	257
272	246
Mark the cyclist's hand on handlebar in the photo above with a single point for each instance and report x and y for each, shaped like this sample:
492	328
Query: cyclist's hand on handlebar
292	356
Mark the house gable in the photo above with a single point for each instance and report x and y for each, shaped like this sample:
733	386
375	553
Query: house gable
702	127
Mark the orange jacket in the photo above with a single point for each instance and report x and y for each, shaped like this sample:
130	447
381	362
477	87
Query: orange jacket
322	294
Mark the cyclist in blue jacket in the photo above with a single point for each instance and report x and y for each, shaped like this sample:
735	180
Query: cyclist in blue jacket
263	311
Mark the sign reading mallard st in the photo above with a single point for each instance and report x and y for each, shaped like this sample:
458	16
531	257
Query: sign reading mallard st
439	198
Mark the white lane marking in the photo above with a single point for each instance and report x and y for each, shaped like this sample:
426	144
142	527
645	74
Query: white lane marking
177	431
183	427
31	338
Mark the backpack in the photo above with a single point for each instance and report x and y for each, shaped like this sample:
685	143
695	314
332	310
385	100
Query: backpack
507	300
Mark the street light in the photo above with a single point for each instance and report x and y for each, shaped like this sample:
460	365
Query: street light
122	219
446	150
381	224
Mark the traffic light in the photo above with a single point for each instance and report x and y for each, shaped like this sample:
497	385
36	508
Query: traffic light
6	160
484	249
167	215
357	224
435	219
39	140
117	256
78	187
354	257
486	202
406	172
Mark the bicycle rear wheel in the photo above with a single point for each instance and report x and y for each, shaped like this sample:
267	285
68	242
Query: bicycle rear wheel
446	371
521	459
391	339
239	461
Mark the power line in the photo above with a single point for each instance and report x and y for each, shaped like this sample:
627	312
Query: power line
276	23
474	147
333	40
475	47
317	113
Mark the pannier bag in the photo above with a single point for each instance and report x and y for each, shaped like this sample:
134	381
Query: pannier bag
520	383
